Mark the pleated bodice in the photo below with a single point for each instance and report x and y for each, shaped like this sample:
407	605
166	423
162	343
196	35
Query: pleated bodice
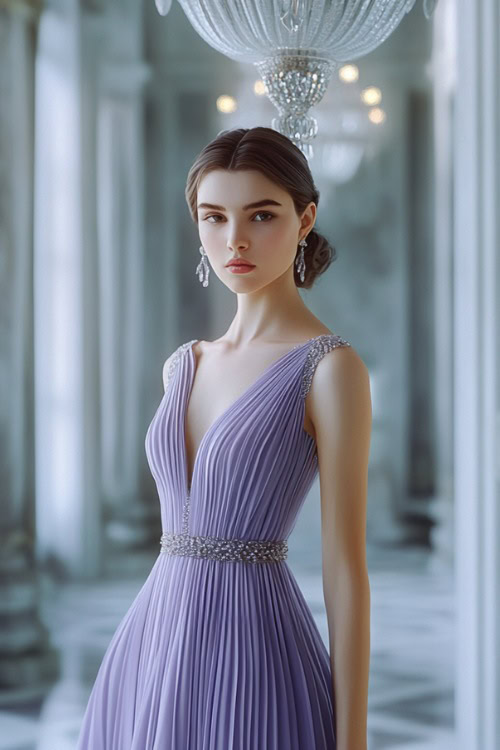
254	465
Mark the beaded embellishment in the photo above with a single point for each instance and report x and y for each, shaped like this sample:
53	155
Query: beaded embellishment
217	548
319	347
176	357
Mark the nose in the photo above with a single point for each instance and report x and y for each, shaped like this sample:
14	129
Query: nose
237	245
237	248
235	240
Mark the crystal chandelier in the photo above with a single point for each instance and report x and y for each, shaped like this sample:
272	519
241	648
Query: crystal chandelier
296	45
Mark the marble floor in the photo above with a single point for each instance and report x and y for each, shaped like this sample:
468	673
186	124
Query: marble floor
412	647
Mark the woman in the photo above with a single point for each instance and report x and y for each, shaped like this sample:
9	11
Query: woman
219	650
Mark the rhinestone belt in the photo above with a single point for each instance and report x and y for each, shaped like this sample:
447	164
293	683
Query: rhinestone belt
217	548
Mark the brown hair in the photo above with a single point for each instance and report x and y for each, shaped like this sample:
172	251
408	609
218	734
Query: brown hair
281	161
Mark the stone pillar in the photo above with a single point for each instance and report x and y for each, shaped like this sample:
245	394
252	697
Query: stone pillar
477	374
443	71
68	447
129	520
27	660
418	509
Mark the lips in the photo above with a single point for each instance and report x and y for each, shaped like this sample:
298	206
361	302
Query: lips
240	264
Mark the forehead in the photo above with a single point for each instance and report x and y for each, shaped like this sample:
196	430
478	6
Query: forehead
233	189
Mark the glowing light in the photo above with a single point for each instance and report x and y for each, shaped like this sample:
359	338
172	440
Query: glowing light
371	96
377	115
349	73
259	87
226	103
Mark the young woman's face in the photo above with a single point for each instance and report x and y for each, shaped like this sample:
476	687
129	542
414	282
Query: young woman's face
264	235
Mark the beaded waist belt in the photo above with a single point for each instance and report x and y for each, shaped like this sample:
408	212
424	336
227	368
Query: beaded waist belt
217	548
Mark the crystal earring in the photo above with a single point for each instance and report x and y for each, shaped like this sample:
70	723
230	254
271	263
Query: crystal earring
299	260
203	269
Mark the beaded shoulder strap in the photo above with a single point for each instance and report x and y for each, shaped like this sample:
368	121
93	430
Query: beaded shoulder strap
317	350
174	360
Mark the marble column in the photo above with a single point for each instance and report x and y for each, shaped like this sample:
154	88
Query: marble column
120	157
418	508
68	440
129	520
443	72
477	374
28	662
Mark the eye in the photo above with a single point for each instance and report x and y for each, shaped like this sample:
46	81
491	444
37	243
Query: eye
218	216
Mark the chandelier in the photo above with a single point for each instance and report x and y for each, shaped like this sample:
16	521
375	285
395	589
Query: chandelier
296	45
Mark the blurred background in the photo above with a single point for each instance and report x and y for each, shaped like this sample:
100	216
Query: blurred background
104	105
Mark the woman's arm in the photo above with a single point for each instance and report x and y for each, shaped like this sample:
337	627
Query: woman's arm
339	405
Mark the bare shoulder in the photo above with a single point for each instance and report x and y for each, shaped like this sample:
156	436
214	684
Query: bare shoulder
341	364
340	387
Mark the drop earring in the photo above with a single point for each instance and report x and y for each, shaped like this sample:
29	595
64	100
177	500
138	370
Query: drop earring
299	260
203	269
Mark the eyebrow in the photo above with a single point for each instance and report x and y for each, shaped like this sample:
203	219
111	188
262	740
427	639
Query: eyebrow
257	204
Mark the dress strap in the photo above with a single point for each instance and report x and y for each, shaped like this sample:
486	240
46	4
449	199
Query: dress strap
174	360
316	351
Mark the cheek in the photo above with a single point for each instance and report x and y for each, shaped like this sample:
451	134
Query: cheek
212	240
281	239
274	253
275	234
284	234
203	230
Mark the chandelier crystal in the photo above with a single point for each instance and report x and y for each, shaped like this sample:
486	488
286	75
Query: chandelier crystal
296	45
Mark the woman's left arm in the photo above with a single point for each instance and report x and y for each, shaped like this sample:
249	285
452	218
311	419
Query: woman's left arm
341	411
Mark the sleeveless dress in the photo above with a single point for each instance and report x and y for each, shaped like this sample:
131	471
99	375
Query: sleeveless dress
219	649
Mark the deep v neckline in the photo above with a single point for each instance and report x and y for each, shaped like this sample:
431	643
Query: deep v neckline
187	397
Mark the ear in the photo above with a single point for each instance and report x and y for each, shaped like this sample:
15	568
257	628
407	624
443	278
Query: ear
307	219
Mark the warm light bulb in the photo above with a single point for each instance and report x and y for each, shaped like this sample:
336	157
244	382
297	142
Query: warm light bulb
226	103
371	96
349	73
377	115
259	87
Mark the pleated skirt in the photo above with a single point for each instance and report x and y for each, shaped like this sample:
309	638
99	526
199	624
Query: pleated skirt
213	655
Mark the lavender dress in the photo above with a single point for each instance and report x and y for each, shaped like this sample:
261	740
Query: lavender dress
218	653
